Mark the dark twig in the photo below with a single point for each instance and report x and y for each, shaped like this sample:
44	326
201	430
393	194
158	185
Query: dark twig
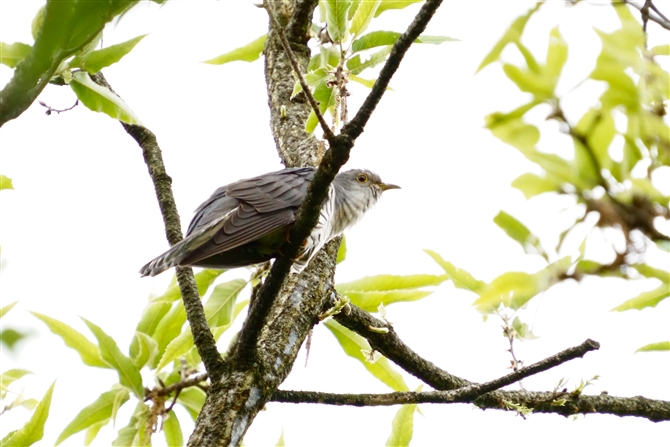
327	132
662	20
50	109
333	160
202	335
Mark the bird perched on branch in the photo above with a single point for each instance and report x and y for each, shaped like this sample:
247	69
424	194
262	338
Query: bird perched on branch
248	221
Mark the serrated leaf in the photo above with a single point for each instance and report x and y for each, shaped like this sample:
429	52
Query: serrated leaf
248	53
363	16
168	329
5	310
659	346
387	5
129	375
5	182
352	344
33	431
402	427
192	399
649	298
96	60
87	350
13	53
460	278
357	64
172	430
98	411
513	34
518	231
336	18
532	185
101	99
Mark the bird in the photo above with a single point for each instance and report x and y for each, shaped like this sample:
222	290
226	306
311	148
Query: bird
248	221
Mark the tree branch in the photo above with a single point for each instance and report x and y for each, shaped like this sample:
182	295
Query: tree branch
202	335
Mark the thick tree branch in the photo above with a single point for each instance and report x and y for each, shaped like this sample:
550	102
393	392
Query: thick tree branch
202	335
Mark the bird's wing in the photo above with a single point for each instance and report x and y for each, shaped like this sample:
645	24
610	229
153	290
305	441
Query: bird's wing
243	212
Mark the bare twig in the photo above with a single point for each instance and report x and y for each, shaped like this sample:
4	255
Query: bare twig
327	132
50	109
661	19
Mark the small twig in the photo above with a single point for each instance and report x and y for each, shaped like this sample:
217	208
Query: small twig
662	20
51	109
327	132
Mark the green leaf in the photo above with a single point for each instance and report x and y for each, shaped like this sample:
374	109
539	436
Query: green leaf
5	182
220	305
203	279
522	331
101	99
327	57
649	298
529	81
312	78
369	83
390	282
13	53
248	53
129	375
513	34
192	399
356	64
557	54
336	18
147	352
363	16
151	316
659	346
402	427
133	434
168	329
651	272
342	250
661	50
532	185
370	301
100	410
172	431
352	344
518	231
5	310
95	61
382	38
387	5
460	278
10	376
33	431
92	432
325	94
88	351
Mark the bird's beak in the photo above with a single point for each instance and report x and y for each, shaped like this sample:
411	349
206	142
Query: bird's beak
386	186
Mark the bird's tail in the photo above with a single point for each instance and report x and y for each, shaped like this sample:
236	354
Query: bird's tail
169	259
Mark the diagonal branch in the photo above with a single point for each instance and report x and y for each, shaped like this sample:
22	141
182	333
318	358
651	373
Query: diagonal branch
202	335
644	9
333	160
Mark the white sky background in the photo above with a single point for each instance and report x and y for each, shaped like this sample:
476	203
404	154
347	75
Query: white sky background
83	219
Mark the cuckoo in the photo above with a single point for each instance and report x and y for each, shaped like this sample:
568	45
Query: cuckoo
248	221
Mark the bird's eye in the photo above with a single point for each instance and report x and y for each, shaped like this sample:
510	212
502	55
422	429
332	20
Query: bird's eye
361	178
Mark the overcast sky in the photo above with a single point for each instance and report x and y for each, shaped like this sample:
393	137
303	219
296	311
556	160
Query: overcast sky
83	219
